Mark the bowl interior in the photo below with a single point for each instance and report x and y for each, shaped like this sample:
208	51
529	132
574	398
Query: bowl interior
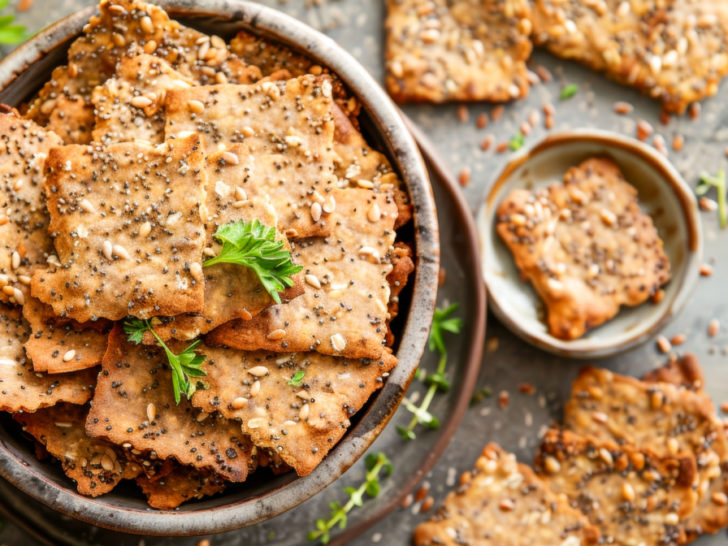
264	495
662	194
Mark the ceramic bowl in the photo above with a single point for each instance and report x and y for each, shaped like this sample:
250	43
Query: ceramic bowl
663	194
26	69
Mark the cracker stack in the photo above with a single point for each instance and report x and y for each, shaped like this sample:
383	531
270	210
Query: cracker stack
116	179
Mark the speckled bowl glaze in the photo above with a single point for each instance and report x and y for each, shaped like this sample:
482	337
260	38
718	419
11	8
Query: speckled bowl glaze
24	71
663	194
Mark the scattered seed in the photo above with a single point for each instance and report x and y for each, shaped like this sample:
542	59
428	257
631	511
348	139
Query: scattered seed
463	113
658	296
695	110
374	214
427	505
503	399
108	250
663	344
623	108
659	143
548	122
502	147
303	412
407	500
706	203
706	270
482	121
329	205
527	388
140	101
713	327
487	142
464	177
678	339
15	260
18	296
644	129
121	252
256	423
544	74
497	113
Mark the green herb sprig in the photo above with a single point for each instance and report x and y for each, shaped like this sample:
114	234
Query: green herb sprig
516	142
375	463
718	182
569	91
297	379
254	245
442	322
185	366
10	34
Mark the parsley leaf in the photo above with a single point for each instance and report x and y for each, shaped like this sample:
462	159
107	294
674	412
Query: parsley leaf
185	366
253	245
516	143
10	34
376	463
569	91
297	379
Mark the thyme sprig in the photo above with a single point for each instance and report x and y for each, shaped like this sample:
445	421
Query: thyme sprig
718	182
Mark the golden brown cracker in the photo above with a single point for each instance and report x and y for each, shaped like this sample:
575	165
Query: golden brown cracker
269	57
402	268
62	346
631	495
134	405
445	50
343	311
180	485
128	230
585	245
95	465
268	117
299	418
674	51
503	503
24	240
684	371
130	106
22	389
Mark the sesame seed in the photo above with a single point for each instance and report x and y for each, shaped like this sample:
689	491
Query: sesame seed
374	213
255	388
230	158
239	403
313	280
15	260
69	355
195	106
141	101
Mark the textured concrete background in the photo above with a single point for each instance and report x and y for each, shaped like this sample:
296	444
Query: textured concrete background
357	25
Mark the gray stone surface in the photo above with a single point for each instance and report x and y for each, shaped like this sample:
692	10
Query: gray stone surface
357	26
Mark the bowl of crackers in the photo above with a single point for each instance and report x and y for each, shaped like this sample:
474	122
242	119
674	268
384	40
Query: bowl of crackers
219	264
590	243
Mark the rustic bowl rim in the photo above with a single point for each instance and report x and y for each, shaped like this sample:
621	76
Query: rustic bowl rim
401	149
670	179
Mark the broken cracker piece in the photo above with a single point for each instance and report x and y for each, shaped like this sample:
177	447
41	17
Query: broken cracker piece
504	503
300	421
673	51
585	245
134	405
685	372
95	465
630	494
343	311
24	240
180	485
57	346
128	230
22	389
440	50
269	57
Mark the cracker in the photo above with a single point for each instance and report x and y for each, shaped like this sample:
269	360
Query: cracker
684	371
24	241
631	495
231	291
402	268
585	245
130	106
673	51
57	346
95	465
179	486
709	516
269	57
299	423
343	311
128	230
445	50
22	389
292	182
363	166
129	27
135	382
72	118
504	503
268	117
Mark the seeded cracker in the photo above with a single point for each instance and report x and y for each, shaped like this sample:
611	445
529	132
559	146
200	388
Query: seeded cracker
130	106
57	346
95	465
231	291
268	117
24	241
343	311
134	382
711	512
631	495
123	27
674	51
270	57
504	503
446	50
21	389
181	485
128	230
300	423
585	245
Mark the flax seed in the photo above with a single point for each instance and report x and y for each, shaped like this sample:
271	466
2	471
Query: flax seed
713	327
487	142
706	270
464	177
502	147
623	108
663	344
497	113
678	339
482	121
548	122
644	130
